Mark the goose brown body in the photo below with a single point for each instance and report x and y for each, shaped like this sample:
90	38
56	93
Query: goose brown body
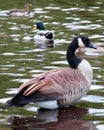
58	87
58	84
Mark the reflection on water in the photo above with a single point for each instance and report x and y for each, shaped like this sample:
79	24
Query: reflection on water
54	119
21	59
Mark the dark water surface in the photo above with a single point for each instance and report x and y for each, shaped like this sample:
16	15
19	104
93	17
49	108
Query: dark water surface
21	59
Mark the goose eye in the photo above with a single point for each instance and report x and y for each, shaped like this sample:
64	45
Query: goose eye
85	40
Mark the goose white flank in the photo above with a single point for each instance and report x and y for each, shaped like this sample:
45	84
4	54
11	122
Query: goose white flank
58	87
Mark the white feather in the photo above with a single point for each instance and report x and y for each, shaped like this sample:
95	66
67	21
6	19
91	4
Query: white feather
86	69
47	104
40	38
80	43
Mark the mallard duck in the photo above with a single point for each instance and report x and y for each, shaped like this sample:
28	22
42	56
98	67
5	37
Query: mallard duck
43	37
20	12
58	87
99	46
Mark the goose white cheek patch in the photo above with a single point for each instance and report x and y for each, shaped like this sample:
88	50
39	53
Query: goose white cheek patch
80	43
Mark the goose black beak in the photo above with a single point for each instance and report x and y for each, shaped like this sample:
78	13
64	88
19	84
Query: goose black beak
91	45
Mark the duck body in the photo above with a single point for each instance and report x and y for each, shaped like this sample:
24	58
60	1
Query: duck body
20	12
58	87
43	37
99	49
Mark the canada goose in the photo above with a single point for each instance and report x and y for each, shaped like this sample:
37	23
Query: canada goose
99	46
43	37
58	87
20	12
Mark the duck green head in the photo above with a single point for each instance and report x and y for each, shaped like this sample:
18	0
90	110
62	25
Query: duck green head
39	25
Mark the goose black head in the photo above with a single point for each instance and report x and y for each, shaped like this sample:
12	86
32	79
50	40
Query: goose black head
79	41
85	42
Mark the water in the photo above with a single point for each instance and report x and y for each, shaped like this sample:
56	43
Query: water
20	60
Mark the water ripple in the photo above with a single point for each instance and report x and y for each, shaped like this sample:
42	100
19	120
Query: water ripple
93	99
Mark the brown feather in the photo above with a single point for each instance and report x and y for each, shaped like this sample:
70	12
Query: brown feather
66	82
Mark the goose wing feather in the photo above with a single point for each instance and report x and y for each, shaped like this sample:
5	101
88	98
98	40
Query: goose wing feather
55	82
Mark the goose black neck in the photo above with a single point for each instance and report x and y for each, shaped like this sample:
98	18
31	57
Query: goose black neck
72	59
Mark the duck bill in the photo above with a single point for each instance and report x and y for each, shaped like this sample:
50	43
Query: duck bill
30	5
91	45
34	28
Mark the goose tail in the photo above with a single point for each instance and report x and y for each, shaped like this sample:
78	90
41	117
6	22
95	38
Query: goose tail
19	100
16	103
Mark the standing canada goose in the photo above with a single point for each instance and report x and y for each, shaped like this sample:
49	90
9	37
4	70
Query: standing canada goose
20	12
43	37
58	87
